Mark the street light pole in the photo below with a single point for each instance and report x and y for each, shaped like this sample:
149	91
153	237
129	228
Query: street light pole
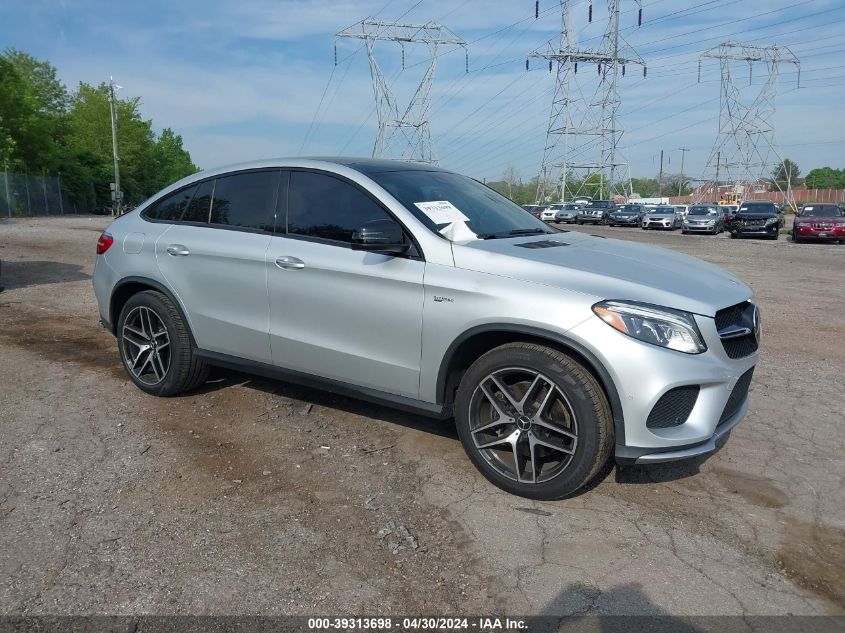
113	109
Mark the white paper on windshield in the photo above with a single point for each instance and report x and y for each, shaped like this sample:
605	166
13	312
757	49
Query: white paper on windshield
441	211
808	208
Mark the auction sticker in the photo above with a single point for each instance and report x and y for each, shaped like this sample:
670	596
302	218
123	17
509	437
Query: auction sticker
441	211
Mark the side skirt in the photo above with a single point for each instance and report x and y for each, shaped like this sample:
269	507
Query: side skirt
326	384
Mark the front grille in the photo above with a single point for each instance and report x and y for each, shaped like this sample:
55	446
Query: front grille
740	315
673	408
737	397
751	224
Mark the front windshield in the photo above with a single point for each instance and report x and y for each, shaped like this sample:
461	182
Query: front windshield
702	211
488	213
628	208
763	207
663	210
821	212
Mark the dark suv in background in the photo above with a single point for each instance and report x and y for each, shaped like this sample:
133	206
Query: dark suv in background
757	218
596	212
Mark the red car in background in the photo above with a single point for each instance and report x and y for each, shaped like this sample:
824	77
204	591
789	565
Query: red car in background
819	222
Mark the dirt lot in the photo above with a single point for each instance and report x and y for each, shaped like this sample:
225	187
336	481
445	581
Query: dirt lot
252	496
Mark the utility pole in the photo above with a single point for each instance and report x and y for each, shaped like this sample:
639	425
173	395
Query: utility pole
660	177
6	179
406	135
61	203
683	151
746	135
117	193
716	182
44	189
578	125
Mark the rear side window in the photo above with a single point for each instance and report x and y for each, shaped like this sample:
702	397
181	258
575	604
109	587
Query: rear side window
170	208
246	200
197	210
326	207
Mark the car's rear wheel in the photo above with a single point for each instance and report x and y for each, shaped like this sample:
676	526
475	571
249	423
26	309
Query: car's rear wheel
533	420
155	346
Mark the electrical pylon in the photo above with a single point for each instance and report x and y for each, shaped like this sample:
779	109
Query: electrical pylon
405	135
579	126
745	150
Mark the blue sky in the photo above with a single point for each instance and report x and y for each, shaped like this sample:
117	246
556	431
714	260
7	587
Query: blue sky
243	80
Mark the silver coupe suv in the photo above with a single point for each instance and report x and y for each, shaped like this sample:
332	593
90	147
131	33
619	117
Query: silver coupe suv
428	291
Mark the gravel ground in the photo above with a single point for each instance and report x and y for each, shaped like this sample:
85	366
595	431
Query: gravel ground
256	497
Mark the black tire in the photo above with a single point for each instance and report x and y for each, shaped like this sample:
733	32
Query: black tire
776	236
583	396
683	232
185	371
733	236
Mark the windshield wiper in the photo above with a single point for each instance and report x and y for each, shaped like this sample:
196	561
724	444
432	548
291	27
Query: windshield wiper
533	231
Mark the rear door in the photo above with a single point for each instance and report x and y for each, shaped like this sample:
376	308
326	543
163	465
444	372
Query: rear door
214	260
346	315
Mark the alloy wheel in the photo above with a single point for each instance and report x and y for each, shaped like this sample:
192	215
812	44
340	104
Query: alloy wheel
523	425
146	345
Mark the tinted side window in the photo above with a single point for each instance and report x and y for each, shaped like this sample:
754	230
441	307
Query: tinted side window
246	200
323	206
197	210
170	208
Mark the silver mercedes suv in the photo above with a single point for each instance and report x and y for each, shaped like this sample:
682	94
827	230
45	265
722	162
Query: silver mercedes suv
426	290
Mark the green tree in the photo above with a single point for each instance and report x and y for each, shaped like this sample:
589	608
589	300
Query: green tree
786	174
825	178
171	161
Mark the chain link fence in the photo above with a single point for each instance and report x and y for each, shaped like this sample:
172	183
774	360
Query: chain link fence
23	194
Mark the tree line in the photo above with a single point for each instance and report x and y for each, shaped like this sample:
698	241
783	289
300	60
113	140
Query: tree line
526	192
47	129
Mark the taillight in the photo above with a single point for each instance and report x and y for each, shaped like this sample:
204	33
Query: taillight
104	243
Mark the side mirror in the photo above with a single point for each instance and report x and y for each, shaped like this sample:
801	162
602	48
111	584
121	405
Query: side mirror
380	236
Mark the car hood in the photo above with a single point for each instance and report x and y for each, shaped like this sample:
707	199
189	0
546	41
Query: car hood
744	215
810	219
602	268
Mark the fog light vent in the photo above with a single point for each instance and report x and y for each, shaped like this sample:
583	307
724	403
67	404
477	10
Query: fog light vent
673	408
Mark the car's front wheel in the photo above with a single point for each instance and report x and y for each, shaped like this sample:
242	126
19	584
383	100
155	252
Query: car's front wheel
155	346
534	421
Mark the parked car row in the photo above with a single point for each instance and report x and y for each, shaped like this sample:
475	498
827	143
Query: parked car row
752	218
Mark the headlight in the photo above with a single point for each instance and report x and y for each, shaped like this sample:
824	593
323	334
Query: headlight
659	326
771	221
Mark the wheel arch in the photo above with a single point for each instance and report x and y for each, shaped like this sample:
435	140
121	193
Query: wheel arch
130	286
476	341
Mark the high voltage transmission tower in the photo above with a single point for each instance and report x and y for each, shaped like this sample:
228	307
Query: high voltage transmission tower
745	150
403	133
580	127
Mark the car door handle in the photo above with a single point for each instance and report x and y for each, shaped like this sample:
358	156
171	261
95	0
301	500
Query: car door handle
178	250
286	262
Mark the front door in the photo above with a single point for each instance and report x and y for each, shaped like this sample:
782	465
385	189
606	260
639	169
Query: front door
346	315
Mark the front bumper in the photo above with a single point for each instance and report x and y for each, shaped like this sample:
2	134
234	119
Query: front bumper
565	218
657	224
713	373
812	233
699	228
741	230
590	219
632	221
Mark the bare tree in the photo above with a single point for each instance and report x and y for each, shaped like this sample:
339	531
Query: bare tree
511	178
